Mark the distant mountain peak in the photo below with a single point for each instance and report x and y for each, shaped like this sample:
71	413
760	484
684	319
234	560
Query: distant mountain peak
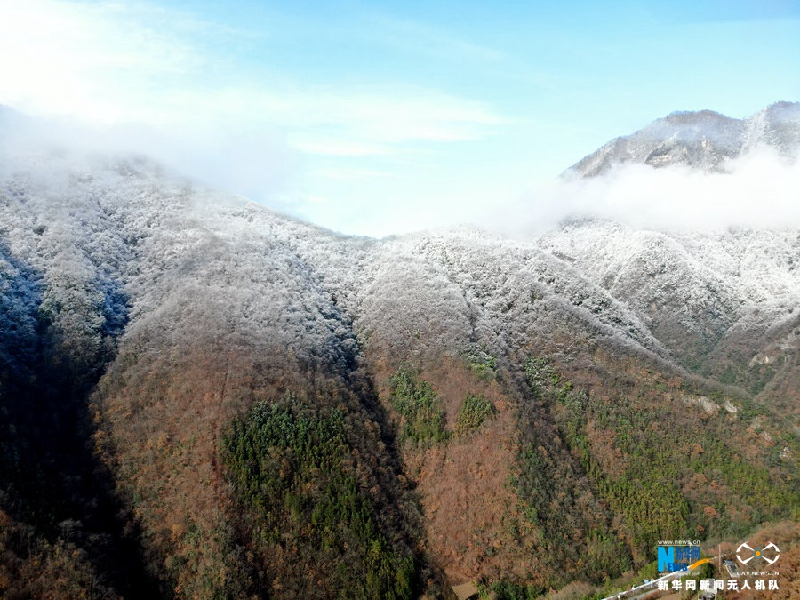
704	139
684	117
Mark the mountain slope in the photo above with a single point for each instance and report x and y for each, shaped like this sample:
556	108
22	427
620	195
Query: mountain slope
709	298
240	404
704	140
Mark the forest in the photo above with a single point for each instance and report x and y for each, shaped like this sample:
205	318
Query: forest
201	398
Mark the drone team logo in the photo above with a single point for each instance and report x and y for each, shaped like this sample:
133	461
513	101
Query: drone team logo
770	553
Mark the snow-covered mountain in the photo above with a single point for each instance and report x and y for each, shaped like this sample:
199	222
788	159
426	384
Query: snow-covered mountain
703	295
653	374
704	140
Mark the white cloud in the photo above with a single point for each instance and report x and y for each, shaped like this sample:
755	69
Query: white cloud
117	63
311	144
156	81
416	37
760	189
351	174
87	60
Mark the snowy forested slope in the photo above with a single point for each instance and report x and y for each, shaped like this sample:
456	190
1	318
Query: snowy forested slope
704	140
699	293
142	318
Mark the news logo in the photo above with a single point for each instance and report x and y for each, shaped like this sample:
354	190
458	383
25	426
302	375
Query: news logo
677	558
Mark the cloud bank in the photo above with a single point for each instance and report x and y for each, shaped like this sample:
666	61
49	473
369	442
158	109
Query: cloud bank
761	189
252	110
336	118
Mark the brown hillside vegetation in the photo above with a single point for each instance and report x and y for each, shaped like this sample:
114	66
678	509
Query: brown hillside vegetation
785	535
163	414
473	523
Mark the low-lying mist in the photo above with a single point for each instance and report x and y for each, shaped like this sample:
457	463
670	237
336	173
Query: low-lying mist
253	163
761	189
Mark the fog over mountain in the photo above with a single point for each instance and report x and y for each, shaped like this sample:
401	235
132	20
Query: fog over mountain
688	171
202	397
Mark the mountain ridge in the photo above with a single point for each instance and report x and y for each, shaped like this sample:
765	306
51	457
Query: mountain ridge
705	140
173	325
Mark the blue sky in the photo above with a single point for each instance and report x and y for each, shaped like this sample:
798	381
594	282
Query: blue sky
384	117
